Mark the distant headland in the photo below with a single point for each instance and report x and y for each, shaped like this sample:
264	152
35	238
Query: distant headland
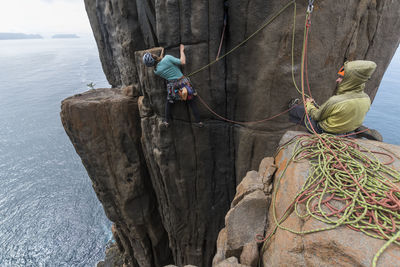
15	36
62	36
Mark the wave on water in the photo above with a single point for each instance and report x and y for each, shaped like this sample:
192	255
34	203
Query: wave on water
49	213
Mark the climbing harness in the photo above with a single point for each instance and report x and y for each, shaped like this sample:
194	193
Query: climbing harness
180	90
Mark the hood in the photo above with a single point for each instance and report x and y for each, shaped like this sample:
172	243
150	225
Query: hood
356	74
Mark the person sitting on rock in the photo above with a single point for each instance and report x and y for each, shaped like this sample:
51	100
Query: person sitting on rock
179	87
345	112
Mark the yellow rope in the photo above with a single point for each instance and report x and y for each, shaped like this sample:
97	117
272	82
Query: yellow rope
245	40
370	202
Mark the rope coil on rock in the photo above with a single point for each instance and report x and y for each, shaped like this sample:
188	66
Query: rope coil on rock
345	185
367	200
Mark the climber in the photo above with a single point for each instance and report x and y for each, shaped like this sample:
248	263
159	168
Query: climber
345	112
179	87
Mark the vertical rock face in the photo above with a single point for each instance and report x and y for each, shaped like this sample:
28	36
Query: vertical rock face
321	243
104	126
168	189
247	217
254	82
191	170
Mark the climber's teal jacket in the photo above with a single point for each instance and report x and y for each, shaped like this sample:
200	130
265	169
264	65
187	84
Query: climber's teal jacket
346	111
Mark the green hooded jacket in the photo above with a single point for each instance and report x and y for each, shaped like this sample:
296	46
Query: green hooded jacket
346	111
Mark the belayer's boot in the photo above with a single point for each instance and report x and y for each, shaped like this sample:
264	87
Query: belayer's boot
370	134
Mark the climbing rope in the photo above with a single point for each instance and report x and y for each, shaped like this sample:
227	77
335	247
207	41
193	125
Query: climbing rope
347	185
241	122
223	30
268	22
243	42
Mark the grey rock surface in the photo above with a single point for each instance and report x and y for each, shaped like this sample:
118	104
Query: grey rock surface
245	221
230	262
104	126
183	178
250	254
113	258
340	246
247	218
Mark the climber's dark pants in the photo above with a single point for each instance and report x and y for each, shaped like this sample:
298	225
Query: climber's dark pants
192	105
297	115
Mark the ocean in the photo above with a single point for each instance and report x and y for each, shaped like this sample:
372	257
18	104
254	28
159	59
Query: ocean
49	213
384	113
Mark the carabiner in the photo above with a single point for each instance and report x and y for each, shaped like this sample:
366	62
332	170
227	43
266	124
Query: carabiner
310	7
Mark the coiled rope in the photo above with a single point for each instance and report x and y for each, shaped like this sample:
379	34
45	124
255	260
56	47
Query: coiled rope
367	200
345	185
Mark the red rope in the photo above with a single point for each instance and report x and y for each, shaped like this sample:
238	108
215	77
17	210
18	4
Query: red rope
391	201
306	55
242	122
220	44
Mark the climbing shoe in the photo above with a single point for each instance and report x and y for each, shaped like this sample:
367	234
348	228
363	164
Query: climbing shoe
370	134
293	102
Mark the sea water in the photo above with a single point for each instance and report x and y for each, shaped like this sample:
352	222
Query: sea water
384	114
49	213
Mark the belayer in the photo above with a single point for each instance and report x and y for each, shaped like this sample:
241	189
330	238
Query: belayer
179	87
344	112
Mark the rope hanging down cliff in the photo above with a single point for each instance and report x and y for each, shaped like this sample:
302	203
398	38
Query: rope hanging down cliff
268	22
345	186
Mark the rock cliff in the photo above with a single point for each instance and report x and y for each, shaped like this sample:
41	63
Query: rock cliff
168	189
341	246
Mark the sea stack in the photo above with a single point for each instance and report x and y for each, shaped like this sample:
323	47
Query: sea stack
168	190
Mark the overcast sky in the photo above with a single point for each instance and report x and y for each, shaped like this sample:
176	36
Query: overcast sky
43	16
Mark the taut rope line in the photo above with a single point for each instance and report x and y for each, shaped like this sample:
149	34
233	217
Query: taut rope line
239	45
340	172
245	40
